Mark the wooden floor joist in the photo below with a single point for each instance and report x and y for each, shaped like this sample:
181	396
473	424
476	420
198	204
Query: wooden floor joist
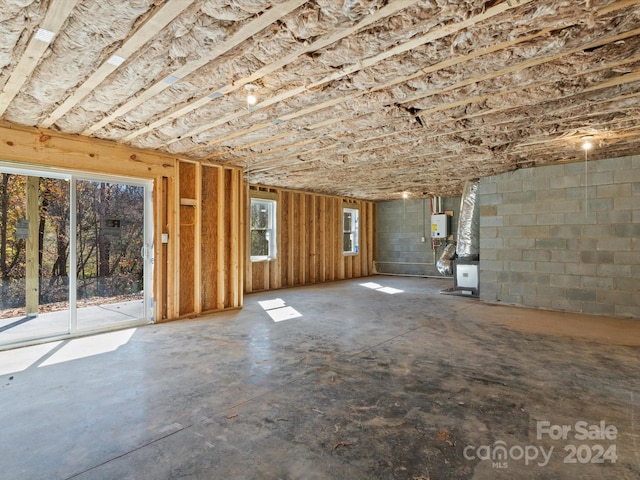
263	21
318	44
369	62
57	13
152	27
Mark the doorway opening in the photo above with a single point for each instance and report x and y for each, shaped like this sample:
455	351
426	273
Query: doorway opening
75	254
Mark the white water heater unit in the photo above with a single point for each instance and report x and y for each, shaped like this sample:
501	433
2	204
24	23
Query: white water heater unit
439	225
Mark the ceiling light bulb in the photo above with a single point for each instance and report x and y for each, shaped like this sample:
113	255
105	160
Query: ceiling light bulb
251	99
586	143
405	194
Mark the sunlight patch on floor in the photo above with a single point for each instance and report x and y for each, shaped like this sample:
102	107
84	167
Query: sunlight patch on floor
380	288
88	346
278	310
18	360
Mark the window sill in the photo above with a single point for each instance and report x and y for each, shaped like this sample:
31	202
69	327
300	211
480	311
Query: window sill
350	254
261	259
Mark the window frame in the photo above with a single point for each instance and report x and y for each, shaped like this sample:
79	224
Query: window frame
354	229
271	230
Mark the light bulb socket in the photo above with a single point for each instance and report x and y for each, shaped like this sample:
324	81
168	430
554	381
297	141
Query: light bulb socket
586	142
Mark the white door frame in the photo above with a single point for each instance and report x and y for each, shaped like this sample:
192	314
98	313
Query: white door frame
147	251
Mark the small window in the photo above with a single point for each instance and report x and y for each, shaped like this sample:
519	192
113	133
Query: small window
263	229
350	230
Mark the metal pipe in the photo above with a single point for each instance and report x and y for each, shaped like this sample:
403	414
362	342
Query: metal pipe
401	263
409	275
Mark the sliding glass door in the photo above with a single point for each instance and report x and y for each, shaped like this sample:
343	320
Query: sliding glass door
109	253
75	254
34	256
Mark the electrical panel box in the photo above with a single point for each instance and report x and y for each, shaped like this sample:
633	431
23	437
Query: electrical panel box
439	225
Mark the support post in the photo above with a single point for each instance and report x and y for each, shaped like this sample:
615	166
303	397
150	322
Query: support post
32	284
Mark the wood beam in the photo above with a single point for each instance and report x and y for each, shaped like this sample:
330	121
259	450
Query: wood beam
234	238
149	29
493	111
620	80
54	149
56	16
313	264
282	148
289	133
322	235
404	132
291	234
401	132
431	36
397	146
399	154
302	237
627	132
282	118
220	271
32	281
387	122
247	31
420	73
248	279
521	66
477	53
197	244
320	43
480	52
173	248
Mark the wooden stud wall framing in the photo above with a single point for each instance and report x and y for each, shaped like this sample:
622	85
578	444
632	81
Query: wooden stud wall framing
309	236
37	147
200	268
203	212
189	212
211	249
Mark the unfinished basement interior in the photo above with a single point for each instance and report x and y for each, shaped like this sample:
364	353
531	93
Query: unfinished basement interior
325	239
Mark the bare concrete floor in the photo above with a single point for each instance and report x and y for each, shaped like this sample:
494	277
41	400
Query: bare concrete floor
357	382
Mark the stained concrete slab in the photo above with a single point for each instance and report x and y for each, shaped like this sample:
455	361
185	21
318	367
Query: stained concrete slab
363	385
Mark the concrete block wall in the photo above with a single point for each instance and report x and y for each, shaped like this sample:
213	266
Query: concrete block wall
400	226
563	237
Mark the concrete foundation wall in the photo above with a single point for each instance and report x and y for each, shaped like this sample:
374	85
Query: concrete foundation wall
400	226
549	241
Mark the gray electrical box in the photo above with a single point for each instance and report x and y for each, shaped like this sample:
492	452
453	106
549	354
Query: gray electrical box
439	225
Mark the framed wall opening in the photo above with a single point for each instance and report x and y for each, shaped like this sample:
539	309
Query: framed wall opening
76	254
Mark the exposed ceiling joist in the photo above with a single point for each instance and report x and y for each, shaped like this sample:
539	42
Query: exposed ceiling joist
478	99
149	29
56	16
518	67
307	128
357	98
322	42
252	28
369	62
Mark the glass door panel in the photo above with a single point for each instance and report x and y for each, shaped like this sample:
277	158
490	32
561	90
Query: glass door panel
34	256
110	240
